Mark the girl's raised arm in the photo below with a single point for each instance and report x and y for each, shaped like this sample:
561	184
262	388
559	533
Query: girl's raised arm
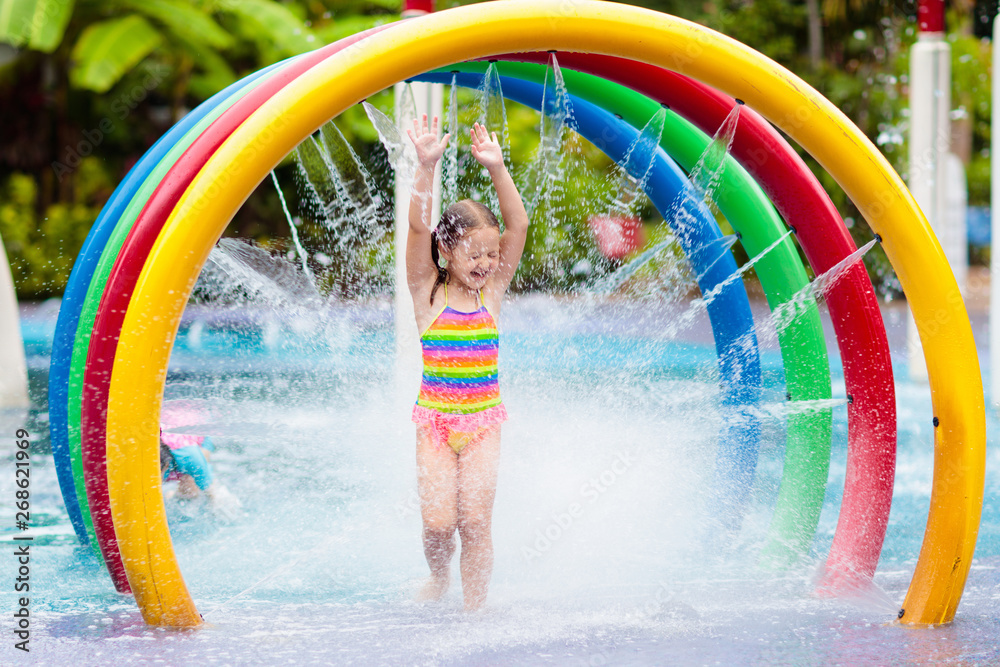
419	265
486	149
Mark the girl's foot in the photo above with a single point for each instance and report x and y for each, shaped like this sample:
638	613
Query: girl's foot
475	603
433	590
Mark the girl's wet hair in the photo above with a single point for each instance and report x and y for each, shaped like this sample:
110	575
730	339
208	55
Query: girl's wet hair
456	219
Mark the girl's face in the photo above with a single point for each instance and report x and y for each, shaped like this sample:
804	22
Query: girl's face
475	258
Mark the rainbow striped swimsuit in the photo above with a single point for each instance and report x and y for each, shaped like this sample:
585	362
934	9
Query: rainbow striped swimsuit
460	389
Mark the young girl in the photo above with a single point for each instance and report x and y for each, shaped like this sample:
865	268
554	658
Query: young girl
457	276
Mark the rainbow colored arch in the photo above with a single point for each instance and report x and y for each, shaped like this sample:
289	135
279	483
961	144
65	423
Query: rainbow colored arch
131	283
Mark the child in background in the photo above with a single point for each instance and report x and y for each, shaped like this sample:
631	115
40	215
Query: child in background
457	273
185	458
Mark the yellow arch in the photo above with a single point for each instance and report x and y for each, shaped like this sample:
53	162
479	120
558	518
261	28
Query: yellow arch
482	30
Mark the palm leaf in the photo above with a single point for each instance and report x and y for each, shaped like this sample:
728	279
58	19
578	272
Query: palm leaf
38	24
276	22
212	71
108	49
340	28
185	21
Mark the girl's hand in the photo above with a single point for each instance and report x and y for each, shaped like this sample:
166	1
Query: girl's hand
429	149
485	148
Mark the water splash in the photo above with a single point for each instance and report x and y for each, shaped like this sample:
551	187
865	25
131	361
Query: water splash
239	272
347	221
449	165
824	282
706	175
784	409
339	182
542	184
699	306
720	247
783	316
406	105
293	228
630	177
493	115
716	249
334	207
544	176
738	274
355	181
780	318
612	281
854	587
704	179
628	184
390	137
492	110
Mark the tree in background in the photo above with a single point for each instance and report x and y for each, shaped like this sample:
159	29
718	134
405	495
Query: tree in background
94	84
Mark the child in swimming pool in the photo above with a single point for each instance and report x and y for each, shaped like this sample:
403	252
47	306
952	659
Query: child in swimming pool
185	458
457	274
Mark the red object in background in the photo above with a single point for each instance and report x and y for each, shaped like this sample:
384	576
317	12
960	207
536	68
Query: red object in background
421	6
617	236
930	15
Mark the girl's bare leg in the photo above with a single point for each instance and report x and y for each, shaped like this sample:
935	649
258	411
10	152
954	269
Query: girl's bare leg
437	474
477	485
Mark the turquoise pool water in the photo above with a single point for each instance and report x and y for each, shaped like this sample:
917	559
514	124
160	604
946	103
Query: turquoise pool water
311	423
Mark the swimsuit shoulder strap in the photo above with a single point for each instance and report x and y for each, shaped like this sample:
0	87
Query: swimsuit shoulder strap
482	304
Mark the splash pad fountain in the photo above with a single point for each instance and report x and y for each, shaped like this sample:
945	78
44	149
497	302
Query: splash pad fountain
170	211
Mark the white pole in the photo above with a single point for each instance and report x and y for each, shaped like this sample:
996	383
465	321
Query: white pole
930	137
13	367
428	99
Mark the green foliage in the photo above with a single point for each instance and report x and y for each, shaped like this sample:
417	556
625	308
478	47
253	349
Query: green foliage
42	246
977	176
108	40
772	27
106	50
274	24
350	25
37	24
185	22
